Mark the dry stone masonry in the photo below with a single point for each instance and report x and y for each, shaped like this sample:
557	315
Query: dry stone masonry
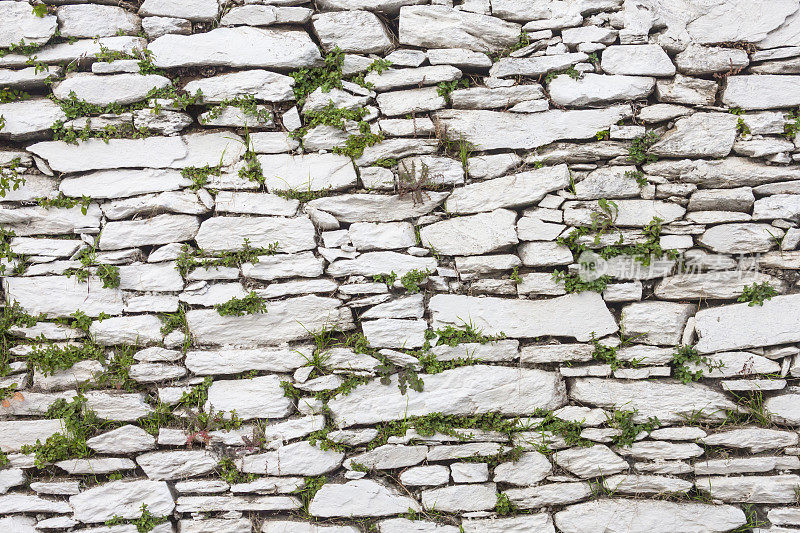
433	266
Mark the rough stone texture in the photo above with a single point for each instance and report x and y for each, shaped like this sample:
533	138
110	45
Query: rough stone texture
442	27
123	499
669	401
236	47
636	516
527	131
364	227
496	315
460	391
360	498
739	326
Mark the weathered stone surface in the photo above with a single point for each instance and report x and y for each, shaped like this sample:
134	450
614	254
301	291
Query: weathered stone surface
530	469
123	499
471	389
527	131
740	238
19	433
300	458
458	498
751	489
495	98
260	15
784	409
242	46
576	315
231	361
596	89
541	523
161	229
534	66
637	60
104	90
669	401
443	27
549	494
638	516
516	190
270	267
766	91
263	85
656	322
126	439
228	233
396	103
711	285
472	235
123	183
66	295
159	152
701	60
67	52
699	135
377	207
284	321
92	20
260	397
20	25
29	118
196	10
310	172
591	462
179	464
353	31
362	497
754	439
29	503
371	263
408	77
742	326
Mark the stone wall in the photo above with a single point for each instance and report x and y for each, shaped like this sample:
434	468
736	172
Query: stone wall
400	266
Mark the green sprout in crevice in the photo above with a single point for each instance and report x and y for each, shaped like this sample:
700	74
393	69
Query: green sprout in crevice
80	423
248	305
757	294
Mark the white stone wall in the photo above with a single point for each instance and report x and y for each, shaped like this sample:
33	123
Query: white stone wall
400	265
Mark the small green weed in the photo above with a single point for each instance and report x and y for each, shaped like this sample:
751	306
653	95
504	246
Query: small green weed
757	293
249	305
638	151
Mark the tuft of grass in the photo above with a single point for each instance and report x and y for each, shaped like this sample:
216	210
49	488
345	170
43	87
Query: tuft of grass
199	175
757	293
412	279
307	492
326	77
230	474
189	258
638	175
249	305
445	88
80	423
10	178
688	354
573	282
468	332
638	151
52	358
623	421
144	524
504	506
